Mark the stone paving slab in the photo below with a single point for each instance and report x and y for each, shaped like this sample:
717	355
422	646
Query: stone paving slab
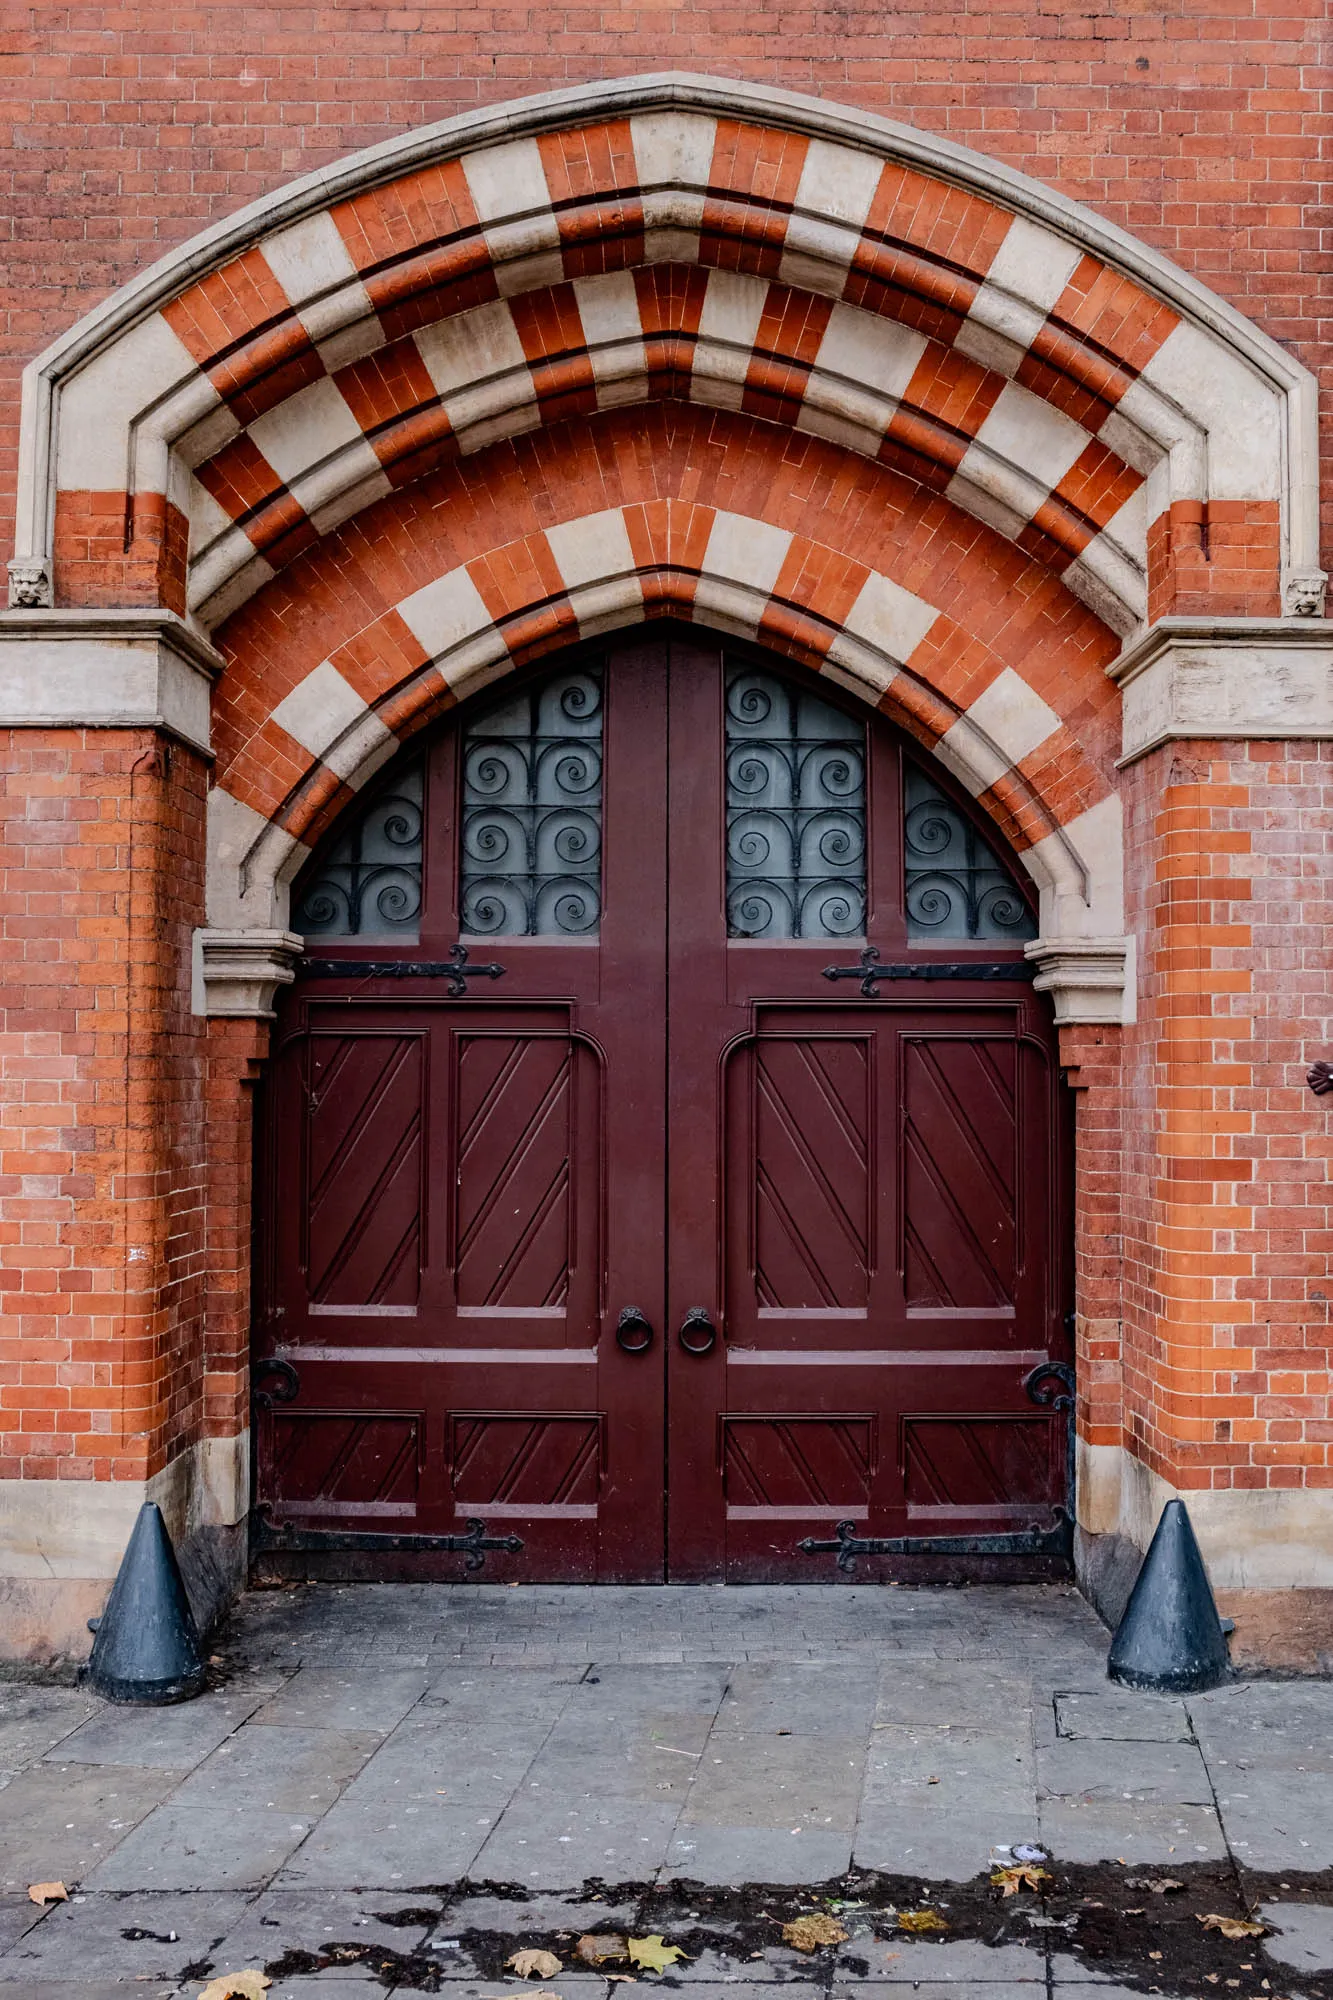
372	1746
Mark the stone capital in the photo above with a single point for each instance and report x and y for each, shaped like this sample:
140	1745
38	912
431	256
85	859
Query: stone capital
1225	677
105	670
1090	980
238	973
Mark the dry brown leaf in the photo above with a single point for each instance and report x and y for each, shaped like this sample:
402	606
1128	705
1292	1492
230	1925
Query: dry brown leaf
921	1920
533	1993
1232	1927
621	1979
237	1986
596	1948
809	1933
47	1892
1026	1875
653	1953
532	1959
1161	1885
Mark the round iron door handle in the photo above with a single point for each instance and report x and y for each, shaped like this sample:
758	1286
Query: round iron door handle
633	1322
698	1321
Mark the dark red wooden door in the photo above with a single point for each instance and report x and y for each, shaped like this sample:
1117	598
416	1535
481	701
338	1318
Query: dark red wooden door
661	1251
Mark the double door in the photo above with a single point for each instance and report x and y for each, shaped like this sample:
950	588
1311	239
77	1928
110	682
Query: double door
598	1211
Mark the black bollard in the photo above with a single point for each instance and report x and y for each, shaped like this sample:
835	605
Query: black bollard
1170	1640
146	1646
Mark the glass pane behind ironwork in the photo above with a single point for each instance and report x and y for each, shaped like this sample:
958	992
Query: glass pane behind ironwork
957	886
796	812
367	882
532	812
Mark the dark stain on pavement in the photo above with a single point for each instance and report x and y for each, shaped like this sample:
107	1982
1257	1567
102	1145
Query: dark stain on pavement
1117	1920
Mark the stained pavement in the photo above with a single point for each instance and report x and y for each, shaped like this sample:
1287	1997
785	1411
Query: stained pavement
476	1756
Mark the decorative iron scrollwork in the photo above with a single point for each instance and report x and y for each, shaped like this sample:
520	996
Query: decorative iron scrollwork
796	811
266	1535
287	1388
366	881
532	812
1319	1076
869	970
957	885
1051	1385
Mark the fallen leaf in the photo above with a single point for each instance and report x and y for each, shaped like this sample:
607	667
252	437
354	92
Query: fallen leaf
544	1963
237	1986
1026	1876
1154	1954
621	1979
595	1950
1161	1885
528	1993
47	1892
809	1933
921	1920
1232	1927
653	1953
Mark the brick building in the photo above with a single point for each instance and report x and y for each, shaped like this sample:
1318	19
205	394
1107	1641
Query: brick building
952	379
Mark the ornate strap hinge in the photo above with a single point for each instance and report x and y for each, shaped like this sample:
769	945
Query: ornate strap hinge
868	970
455	969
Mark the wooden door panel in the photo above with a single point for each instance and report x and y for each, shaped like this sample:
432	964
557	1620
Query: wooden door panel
1002	1468
515	1140
525	1464
810	1172
788	1467
346	1462
364	1131
959	1171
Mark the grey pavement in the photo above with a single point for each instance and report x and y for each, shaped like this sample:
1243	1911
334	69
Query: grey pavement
389	1774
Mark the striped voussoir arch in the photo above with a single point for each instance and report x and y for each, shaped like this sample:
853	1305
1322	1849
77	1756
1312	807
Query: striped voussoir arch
670	253
345	717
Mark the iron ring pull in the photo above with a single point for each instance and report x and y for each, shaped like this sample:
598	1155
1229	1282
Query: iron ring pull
698	1321
632	1322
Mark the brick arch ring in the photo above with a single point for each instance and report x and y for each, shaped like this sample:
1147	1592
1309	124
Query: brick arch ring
732	245
342	719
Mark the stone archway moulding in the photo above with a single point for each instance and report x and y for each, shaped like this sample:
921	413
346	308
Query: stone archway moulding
824	270
1070	312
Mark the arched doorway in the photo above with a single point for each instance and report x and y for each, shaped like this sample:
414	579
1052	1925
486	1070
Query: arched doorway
663	1158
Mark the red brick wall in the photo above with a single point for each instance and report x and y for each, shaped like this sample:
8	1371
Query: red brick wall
101	1172
1196	128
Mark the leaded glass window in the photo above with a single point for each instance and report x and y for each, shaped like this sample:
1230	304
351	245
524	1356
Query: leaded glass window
367	882
957	886
532	812
796	812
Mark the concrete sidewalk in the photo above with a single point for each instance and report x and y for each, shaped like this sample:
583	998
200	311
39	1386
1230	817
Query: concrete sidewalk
393	1768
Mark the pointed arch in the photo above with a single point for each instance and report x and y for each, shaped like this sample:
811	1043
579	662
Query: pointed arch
668	237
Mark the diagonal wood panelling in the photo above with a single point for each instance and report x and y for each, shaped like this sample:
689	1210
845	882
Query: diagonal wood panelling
811	1168
797	1464
959	1167
364	1118
514	1096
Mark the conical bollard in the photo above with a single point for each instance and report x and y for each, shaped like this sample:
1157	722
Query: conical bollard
1170	1640
146	1646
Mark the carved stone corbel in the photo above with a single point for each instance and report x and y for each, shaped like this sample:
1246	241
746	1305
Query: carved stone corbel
30	585
1089	979
239	972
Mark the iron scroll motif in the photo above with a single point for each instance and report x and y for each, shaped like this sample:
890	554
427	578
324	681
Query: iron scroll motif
455	969
1319	1076
287	1388
366	882
531	840
869	971
1050	1384
796	811
271	1537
